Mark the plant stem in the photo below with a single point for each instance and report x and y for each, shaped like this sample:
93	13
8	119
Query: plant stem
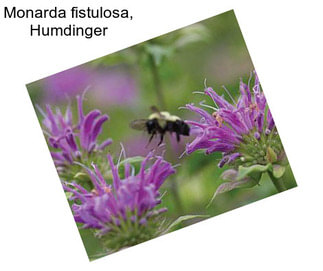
174	188
162	105
157	82
278	183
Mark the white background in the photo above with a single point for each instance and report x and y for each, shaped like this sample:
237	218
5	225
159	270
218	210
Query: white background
283	232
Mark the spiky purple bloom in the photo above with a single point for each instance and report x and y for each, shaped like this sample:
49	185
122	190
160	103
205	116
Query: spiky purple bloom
243	131
124	212
71	141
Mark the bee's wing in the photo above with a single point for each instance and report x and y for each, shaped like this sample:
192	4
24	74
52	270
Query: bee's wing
139	124
155	109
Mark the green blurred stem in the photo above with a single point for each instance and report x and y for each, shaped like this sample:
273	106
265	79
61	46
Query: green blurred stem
177	199
278	182
157	82
162	105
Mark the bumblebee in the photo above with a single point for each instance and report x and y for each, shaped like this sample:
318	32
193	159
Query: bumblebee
158	123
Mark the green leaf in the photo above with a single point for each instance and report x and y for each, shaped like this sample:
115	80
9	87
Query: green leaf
80	176
181	219
278	171
229	175
192	34
132	160
245	177
158	52
254	171
228	186
271	156
68	194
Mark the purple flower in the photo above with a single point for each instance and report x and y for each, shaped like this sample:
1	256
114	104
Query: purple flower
243	131
113	86
124	213
70	141
65	84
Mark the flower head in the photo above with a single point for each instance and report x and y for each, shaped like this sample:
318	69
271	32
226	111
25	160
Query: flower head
73	142
243	131
123	213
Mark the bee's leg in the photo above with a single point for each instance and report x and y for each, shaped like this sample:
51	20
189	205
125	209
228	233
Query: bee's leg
178	137
150	139
161	139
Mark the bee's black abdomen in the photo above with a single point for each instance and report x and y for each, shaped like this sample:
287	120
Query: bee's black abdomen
185	129
179	127
170	126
